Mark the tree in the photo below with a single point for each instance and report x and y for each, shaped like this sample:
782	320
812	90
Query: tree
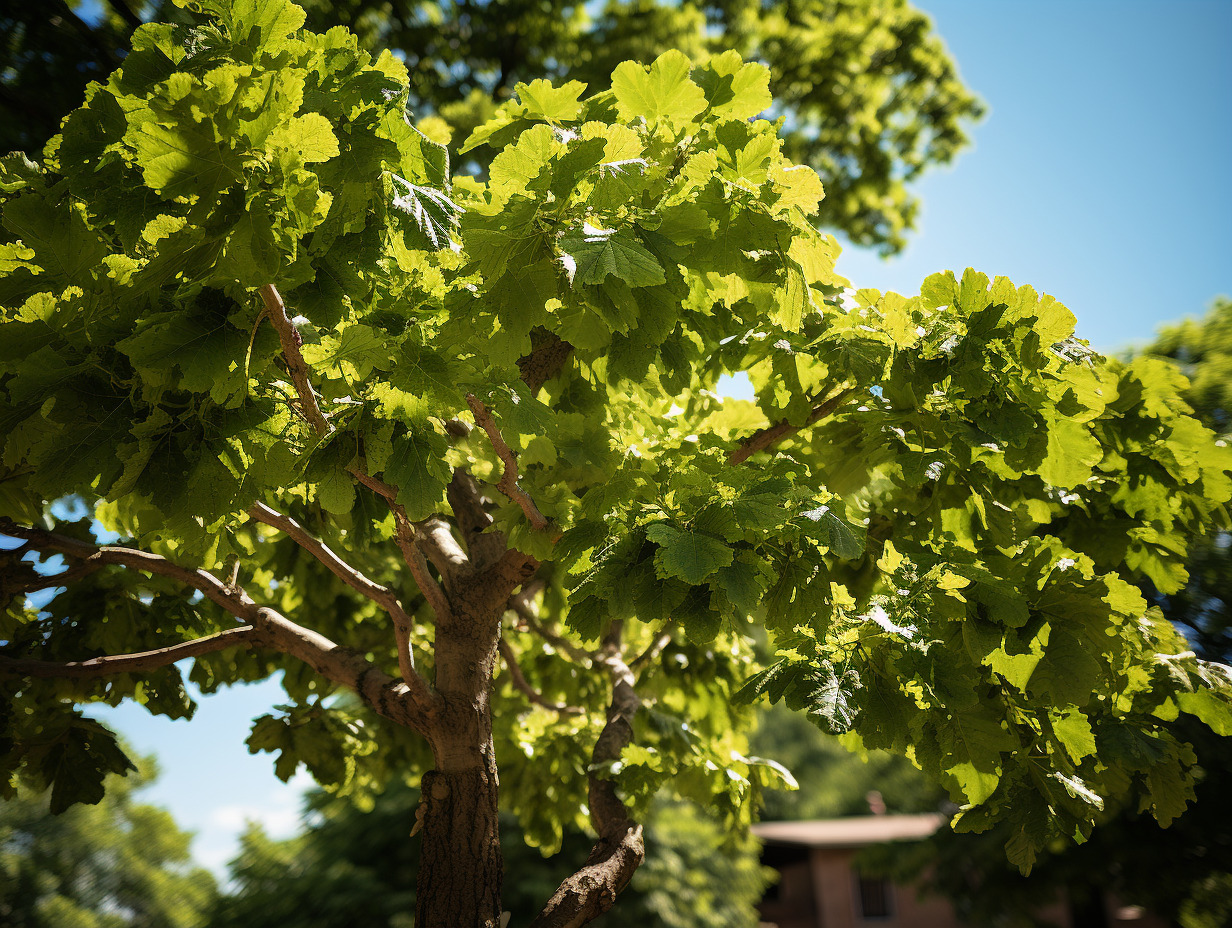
1182	873
870	94
119	864
488	433
353	866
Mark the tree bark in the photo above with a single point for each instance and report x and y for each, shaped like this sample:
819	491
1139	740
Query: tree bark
459	884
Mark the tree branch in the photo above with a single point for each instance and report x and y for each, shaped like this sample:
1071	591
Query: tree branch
400	701
48	581
299	371
435	536
773	434
653	650
473	520
508	483
296	365
520	603
382	596
128	663
620	850
405	535
234	602
520	683
391	698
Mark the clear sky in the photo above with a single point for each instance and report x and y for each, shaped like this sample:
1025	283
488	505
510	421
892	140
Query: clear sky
1100	175
1101	172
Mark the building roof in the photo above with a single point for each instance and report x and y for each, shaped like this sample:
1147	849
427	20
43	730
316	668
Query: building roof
857	831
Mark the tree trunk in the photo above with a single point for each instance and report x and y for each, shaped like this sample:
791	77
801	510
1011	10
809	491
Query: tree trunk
460	869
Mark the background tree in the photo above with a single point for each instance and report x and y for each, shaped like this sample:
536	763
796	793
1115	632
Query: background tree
832	781
355	866
489	435
869	94
1183	873
117	864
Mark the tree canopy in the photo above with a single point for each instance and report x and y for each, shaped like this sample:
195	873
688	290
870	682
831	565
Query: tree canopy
348	417
869	95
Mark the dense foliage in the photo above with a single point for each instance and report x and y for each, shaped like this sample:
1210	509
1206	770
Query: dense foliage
1182	873
118	864
495	403
870	96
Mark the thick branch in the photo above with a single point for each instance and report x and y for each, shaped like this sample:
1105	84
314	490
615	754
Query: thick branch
382	596
619	851
296	365
521	684
508	483
128	663
392	698
435	537
773	434
470	513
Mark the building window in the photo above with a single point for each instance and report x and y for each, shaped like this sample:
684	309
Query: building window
875	897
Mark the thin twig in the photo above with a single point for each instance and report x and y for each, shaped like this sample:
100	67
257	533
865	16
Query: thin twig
773	434
521	605
520	683
64	577
128	663
508	483
96	556
296	365
653	650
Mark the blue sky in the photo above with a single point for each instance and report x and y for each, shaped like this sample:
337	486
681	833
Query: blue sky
1100	176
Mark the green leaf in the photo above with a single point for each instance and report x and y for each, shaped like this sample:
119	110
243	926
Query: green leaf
733	88
591	254
416	466
662	92
829	528
972	744
310	136
690	556
1073	730
182	159
1072	452
433	214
